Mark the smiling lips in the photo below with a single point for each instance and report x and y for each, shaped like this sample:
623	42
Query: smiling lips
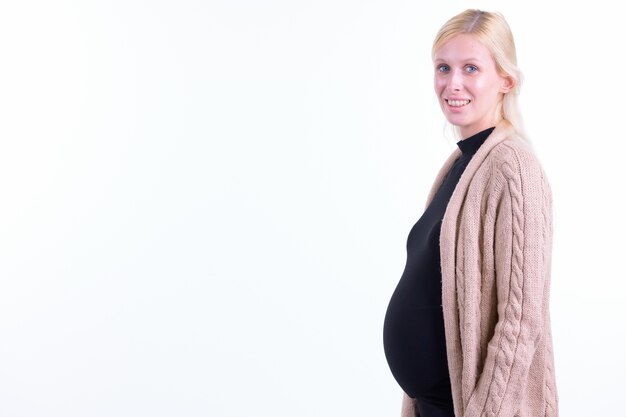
457	103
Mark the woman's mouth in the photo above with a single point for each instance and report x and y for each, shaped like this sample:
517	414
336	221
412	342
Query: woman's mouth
457	103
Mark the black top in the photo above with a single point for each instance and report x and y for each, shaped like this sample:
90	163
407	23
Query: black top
413	334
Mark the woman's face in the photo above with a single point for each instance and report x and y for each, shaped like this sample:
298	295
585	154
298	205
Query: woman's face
467	84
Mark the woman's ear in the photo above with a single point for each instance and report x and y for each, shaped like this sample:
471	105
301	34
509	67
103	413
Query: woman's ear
508	83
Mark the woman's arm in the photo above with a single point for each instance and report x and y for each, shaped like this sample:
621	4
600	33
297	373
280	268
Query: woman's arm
522	249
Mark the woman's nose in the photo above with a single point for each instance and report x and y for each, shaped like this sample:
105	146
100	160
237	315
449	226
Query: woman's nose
454	81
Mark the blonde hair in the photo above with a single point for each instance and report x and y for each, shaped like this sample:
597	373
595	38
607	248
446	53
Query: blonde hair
492	30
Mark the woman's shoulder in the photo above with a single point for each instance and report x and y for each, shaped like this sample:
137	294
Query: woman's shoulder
514	156
515	163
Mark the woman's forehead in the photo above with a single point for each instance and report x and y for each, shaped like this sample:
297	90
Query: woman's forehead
463	47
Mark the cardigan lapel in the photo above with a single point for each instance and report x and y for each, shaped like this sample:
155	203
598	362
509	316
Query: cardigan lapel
501	132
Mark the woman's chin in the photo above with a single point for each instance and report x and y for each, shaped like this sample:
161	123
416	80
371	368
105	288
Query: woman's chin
455	121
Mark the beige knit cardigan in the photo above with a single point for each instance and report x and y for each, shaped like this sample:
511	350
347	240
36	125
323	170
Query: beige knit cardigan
496	243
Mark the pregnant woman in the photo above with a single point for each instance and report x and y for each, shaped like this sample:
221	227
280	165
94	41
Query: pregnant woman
467	330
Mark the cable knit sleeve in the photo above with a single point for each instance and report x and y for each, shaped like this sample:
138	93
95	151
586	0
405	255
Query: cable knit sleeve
408	407
522	225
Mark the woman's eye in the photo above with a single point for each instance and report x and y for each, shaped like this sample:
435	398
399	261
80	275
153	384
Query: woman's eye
442	68
471	68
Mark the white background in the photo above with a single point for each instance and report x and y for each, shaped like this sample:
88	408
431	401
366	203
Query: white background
204	205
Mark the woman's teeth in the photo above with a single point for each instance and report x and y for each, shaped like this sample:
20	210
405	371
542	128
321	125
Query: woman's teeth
458	103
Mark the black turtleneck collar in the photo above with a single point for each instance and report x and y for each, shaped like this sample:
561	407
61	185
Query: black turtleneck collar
470	145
